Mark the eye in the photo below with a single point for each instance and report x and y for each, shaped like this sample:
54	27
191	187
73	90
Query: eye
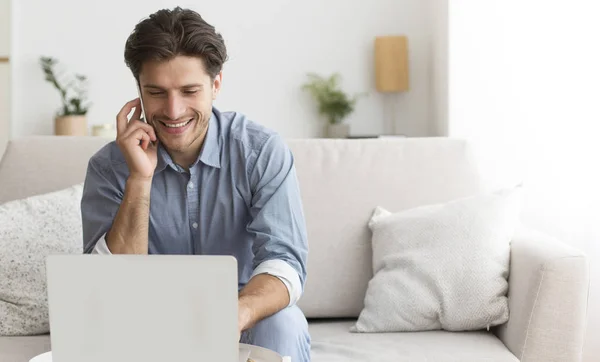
190	91
155	93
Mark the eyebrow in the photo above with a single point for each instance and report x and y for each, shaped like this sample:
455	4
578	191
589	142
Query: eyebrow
187	86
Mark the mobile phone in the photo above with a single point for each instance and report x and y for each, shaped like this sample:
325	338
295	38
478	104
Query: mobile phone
143	114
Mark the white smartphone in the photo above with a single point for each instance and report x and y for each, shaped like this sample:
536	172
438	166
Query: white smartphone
143	114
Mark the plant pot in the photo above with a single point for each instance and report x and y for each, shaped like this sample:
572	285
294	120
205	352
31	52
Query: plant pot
338	130
70	126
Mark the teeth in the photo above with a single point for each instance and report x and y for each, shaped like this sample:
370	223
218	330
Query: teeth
177	125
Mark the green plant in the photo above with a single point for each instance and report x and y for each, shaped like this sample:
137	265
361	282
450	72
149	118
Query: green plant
334	103
73	90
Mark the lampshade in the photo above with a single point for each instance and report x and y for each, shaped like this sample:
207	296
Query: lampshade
391	63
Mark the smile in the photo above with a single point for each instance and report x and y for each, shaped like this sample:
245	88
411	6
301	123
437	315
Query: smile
177	125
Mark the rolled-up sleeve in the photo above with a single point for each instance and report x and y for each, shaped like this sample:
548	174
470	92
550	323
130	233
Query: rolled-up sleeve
278	222
99	204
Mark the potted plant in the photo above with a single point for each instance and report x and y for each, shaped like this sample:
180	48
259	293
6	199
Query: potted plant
333	103
71	118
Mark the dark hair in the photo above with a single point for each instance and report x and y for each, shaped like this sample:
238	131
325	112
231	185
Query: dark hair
169	33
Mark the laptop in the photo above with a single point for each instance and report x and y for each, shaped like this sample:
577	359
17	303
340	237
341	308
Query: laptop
147	308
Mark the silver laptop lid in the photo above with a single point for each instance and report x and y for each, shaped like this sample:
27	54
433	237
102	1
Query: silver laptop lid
143	308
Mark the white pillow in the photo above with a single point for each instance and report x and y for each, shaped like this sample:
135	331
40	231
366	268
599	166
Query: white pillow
30	230
442	266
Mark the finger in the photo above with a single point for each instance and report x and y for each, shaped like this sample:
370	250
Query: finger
140	137
145	142
122	115
135	125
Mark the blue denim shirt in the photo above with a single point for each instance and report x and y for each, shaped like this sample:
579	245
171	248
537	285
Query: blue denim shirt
240	198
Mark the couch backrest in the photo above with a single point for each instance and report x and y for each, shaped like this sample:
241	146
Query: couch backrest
341	181
39	164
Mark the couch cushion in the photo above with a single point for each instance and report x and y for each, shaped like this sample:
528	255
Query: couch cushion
22	349
442	266
30	230
343	181
331	342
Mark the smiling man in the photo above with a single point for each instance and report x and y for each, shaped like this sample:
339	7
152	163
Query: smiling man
192	180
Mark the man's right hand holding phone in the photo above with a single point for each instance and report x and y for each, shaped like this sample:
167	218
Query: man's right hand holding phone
129	232
137	141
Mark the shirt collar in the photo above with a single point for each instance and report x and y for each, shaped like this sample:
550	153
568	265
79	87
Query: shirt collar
210	153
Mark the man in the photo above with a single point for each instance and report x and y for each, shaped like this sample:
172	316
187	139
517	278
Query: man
193	180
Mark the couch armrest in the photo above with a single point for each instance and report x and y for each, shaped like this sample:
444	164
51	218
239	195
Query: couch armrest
548	296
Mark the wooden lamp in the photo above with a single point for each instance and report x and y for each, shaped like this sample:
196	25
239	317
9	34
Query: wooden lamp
391	68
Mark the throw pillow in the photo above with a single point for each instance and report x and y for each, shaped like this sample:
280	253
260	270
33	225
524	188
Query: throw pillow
30	230
442	266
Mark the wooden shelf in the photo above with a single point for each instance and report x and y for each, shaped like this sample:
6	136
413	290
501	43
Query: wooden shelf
4	59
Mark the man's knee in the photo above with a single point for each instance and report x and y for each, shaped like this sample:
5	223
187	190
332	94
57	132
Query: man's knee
289	322
285	332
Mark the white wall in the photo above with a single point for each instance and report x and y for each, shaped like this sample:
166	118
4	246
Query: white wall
4	74
272	45
439	67
4	105
4	28
524	86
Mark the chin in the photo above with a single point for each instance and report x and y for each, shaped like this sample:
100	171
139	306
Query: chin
180	138
173	145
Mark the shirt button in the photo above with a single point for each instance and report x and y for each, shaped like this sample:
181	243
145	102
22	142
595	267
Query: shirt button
195	225
191	185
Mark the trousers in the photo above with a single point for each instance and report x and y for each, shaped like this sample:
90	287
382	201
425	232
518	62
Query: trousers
285	332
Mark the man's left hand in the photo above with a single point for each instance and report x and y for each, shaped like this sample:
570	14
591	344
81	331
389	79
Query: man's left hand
244	316
263	296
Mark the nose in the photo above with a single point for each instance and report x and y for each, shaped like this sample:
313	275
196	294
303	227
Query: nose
175	107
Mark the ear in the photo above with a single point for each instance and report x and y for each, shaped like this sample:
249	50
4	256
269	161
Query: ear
217	85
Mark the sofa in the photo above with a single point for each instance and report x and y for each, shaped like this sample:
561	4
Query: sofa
341	182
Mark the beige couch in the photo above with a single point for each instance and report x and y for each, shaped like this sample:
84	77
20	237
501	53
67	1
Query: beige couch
342	181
